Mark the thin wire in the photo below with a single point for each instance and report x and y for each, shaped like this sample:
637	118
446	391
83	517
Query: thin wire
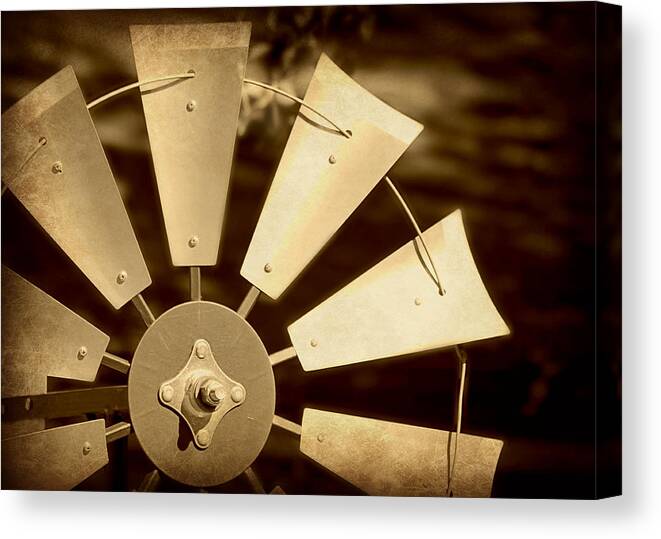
42	142
299	101
463	359
133	85
407	210
388	180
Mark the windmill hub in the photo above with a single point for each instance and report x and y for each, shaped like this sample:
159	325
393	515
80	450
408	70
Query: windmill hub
201	393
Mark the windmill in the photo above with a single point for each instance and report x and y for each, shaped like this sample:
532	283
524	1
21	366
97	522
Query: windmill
201	390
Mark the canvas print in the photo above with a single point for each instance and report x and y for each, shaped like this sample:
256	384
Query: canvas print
336	250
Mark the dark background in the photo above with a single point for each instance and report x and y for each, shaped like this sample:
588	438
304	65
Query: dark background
507	96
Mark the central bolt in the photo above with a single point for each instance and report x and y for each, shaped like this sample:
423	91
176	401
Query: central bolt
201	349
212	393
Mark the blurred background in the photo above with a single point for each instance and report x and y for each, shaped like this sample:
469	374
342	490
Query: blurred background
506	93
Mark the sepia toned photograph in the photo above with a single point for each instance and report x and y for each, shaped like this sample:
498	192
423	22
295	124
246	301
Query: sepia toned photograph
321	250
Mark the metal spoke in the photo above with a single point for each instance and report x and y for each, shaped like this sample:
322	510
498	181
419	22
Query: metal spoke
195	284
150	482
117	431
248	302
282	355
283	423
115	362
254	481
144	310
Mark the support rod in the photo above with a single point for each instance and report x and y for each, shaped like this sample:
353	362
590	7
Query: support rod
115	362
282	355
283	423
142	307
150	482
463	363
248	302
117	431
195	284
254	481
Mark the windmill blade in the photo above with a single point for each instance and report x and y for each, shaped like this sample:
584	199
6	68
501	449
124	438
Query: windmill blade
54	459
192	126
395	307
392	459
42	338
68	187
323	176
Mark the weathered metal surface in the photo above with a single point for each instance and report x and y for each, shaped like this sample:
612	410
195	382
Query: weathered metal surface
323	176
68	186
161	354
41	338
392	459
54	459
395	307
69	403
192	126
201	394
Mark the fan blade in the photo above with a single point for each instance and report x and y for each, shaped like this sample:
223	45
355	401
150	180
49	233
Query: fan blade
68	186
192	126
392	459
277	490
54	459
323	176
42	338
395	307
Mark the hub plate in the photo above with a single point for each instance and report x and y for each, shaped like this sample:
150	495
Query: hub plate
162	353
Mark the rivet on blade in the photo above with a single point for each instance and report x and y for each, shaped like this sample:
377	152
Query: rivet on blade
57	167
87	447
320	438
191	105
332	160
314	343
203	437
418	301
237	394
121	277
193	241
82	352
268	268
167	392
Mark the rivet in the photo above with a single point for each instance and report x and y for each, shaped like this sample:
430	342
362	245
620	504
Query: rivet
121	277
87	447
237	394
418	301
57	167
201	349
268	268
82	352
28	404
191	105
320	437
193	241
313	343
332	160
167	392
203	437
43	141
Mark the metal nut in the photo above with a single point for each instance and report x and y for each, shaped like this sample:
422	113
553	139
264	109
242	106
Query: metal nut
268	268
121	277
191	105
167	393
193	241
57	167
203	437
237	393
82	352
87	447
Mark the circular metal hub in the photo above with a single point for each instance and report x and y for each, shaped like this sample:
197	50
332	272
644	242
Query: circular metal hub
163	352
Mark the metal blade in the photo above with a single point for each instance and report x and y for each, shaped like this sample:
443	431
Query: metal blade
41	338
54	459
68	187
393	459
323	176
395	307
192	126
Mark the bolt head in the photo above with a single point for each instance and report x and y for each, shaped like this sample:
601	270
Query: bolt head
268	268
332	160
87	447
314	343
167	393
203	437
191	105
82	352
121	277
238	394
57	167
201	349
193	241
